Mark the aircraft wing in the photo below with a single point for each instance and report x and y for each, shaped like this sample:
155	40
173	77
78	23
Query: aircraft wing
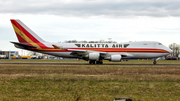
74	50
77	51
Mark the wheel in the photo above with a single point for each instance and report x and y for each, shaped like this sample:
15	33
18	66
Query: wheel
92	62
99	62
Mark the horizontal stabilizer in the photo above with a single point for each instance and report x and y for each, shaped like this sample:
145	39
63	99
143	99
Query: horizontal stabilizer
21	45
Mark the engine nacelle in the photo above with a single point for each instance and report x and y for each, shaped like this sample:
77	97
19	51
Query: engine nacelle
94	56
116	58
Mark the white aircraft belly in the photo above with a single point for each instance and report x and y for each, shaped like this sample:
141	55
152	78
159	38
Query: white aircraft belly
148	55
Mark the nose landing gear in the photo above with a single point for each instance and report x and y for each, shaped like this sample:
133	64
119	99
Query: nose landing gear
154	62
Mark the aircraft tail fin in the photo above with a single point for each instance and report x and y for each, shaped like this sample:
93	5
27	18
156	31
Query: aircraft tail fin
25	34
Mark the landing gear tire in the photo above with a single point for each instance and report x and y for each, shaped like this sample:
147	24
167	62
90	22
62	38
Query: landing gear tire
92	62
95	62
99	62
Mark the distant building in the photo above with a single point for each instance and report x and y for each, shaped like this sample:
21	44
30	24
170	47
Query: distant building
9	54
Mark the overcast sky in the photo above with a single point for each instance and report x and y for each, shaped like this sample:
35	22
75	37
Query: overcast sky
92	20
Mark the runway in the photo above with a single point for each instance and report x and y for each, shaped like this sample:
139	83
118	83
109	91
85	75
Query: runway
76	64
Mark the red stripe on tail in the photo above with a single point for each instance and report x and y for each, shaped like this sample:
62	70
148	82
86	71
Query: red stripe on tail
29	35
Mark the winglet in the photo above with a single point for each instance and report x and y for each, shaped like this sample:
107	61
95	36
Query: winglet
56	47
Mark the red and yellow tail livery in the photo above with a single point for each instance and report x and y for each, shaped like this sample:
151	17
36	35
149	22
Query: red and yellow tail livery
26	36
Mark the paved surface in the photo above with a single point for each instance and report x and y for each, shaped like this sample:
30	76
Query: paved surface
78	64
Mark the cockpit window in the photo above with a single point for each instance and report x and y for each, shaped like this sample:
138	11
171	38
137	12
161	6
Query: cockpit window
160	44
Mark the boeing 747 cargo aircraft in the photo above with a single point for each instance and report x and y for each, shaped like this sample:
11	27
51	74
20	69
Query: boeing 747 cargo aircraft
95	53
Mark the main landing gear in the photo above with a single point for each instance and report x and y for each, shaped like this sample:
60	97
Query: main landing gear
95	62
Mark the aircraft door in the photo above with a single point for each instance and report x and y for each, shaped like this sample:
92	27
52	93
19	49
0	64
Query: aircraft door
155	45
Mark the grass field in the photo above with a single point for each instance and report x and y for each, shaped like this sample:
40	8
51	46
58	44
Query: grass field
89	82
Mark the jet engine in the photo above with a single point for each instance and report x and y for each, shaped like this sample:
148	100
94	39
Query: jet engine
116	58
94	56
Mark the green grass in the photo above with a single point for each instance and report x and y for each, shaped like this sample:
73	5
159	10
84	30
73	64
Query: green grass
89	82
82	61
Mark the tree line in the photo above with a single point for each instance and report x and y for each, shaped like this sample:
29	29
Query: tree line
84	41
175	48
